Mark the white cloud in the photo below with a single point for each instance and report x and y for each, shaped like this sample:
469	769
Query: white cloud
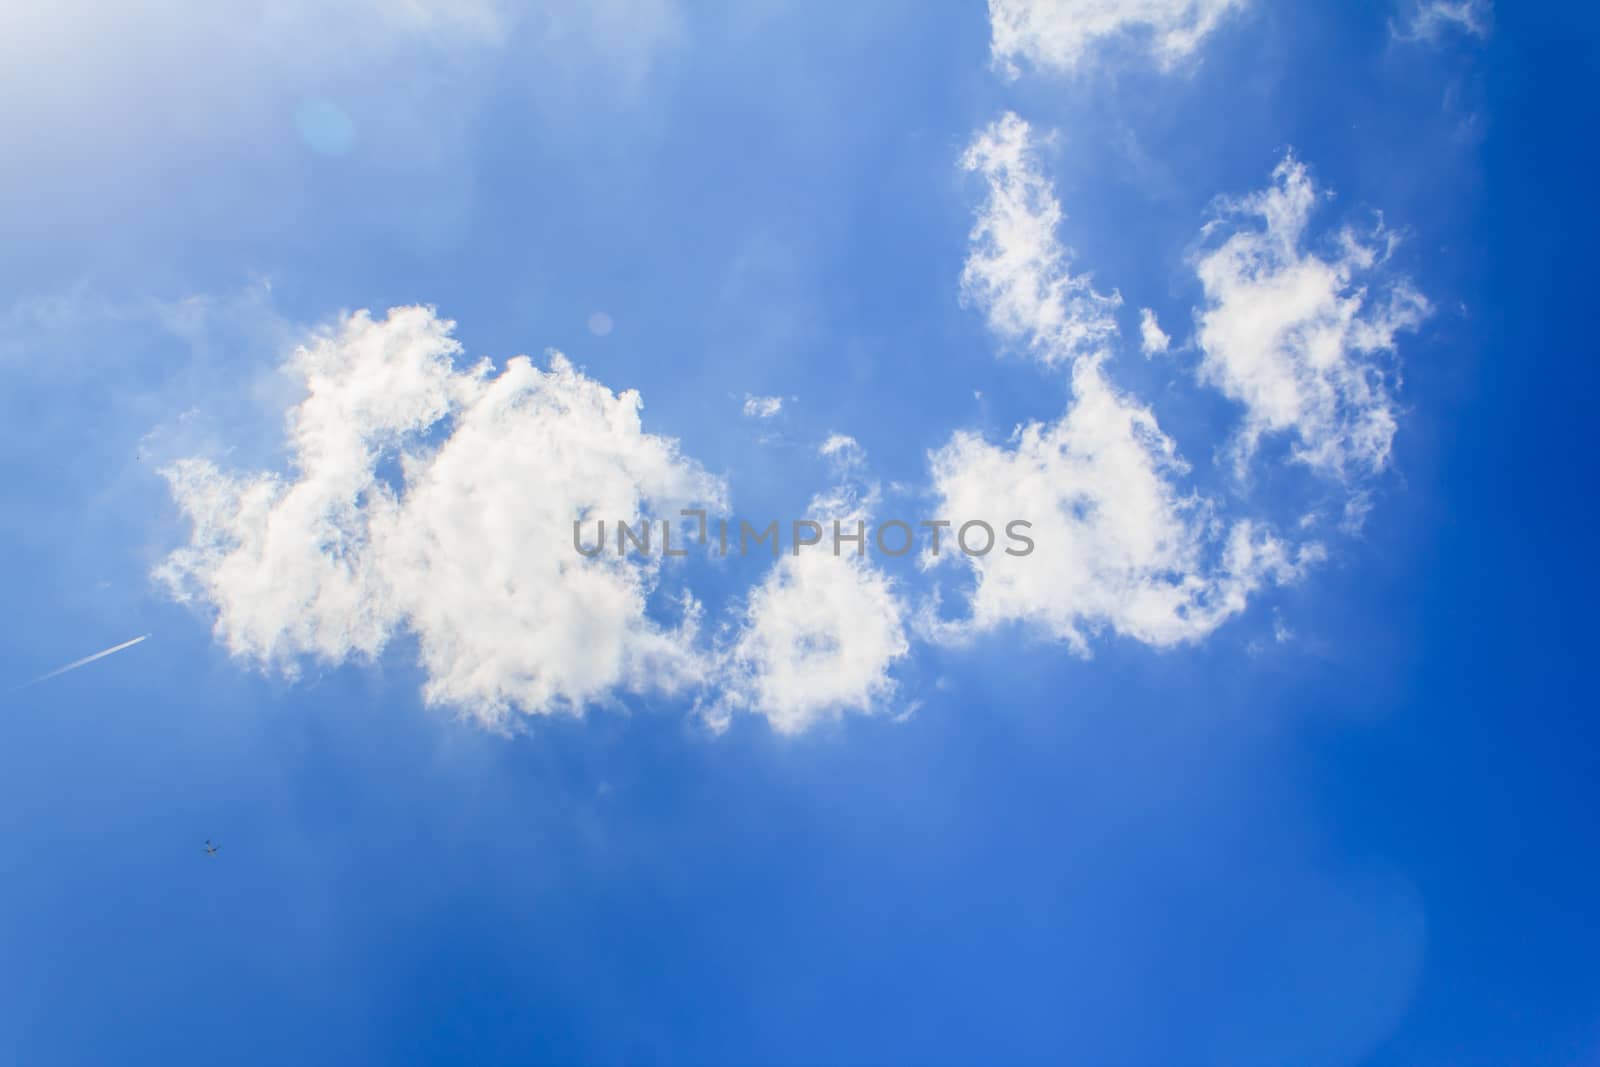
762	407
1152	338
841	447
470	549
821	632
1299	338
1018	271
1117	544
1431	19
435	500
1061	34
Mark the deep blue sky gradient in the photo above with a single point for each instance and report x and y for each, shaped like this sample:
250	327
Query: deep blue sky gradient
1372	844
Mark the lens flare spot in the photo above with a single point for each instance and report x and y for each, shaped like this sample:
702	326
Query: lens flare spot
324	127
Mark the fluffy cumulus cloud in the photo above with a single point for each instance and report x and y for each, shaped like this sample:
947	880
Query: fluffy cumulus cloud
821	633
1117	543
438	500
1018	271
1061	34
1303	338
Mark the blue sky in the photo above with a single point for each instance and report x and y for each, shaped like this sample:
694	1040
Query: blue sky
1276	750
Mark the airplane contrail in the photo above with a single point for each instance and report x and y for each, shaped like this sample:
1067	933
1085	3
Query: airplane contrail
75	664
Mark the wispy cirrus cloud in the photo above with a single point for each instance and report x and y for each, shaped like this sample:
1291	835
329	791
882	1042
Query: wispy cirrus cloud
1429	20
1061	35
1018	271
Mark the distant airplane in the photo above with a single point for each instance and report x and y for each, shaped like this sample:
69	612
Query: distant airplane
211	850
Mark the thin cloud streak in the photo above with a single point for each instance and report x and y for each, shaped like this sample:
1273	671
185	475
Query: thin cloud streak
85	661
